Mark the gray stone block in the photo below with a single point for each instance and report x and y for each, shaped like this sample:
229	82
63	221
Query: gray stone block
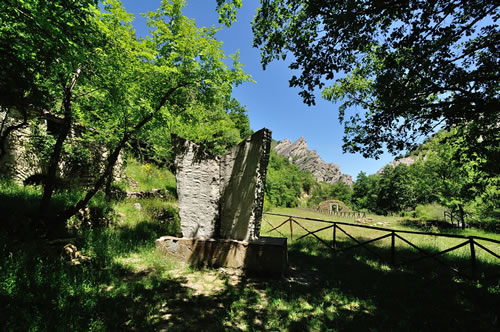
266	255
222	196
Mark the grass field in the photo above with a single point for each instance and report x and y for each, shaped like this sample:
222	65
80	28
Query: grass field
124	285
487	265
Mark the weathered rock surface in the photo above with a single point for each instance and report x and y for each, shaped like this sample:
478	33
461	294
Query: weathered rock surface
222	197
299	154
198	189
405	161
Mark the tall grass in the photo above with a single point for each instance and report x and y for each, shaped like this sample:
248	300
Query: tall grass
42	289
149	176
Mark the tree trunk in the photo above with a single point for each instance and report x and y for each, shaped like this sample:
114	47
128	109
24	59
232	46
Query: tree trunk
48	188
113	157
109	181
108	171
461	215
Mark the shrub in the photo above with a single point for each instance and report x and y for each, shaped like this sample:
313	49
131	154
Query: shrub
430	212
149	176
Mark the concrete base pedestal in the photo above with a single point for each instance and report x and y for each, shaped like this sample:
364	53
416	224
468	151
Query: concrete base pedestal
267	255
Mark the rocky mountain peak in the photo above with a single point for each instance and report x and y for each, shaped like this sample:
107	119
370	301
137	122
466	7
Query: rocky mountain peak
299	154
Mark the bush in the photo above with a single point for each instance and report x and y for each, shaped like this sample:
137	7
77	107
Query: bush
164	213
430	212
149	176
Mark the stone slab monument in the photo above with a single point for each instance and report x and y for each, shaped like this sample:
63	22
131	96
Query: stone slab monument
220	205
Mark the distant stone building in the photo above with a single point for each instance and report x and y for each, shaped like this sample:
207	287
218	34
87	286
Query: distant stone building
333	206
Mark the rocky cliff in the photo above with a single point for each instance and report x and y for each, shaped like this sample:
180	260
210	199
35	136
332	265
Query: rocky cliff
404	160
309	160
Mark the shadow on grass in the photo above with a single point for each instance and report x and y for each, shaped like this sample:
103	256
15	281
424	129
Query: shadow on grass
354	291
350	292
344	293
41	290
420	297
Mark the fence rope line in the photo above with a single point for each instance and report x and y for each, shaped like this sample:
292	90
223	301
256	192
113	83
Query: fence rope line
388	229
470	240
272	226
486	249
360	243
318	230
427	255
317	237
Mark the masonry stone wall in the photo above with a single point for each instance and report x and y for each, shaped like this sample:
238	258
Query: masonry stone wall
222	197
243	177
21	159
19	162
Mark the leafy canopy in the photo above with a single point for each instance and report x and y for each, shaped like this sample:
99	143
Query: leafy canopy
40	43
412	66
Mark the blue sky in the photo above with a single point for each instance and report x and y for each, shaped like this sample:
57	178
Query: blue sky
271	103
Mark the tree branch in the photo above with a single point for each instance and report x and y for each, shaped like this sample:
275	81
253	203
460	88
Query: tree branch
113	157
5	133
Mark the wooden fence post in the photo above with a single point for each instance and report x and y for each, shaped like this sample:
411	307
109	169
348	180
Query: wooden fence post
393	248
472	257
291	229
334	237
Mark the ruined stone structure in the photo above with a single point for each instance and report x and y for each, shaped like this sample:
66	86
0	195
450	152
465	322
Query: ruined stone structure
220	205
333	205
18	161
22	159
222	197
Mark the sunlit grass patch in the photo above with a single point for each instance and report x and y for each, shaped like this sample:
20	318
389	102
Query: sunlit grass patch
149	176
425	242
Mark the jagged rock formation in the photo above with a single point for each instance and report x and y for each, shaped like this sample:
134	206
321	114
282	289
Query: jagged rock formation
309	160
405	160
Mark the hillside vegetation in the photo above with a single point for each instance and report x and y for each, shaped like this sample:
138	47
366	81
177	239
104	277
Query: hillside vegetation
436	186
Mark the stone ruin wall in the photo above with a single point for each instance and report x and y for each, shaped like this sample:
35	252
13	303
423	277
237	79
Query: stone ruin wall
222	197
198	189
21	161
243	176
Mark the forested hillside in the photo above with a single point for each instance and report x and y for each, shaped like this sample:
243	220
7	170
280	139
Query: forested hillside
435	185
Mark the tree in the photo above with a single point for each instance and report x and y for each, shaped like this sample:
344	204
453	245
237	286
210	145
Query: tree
460	182
285	183
178	69
395	190
93	71
44	45
412	66
37	38
365	192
